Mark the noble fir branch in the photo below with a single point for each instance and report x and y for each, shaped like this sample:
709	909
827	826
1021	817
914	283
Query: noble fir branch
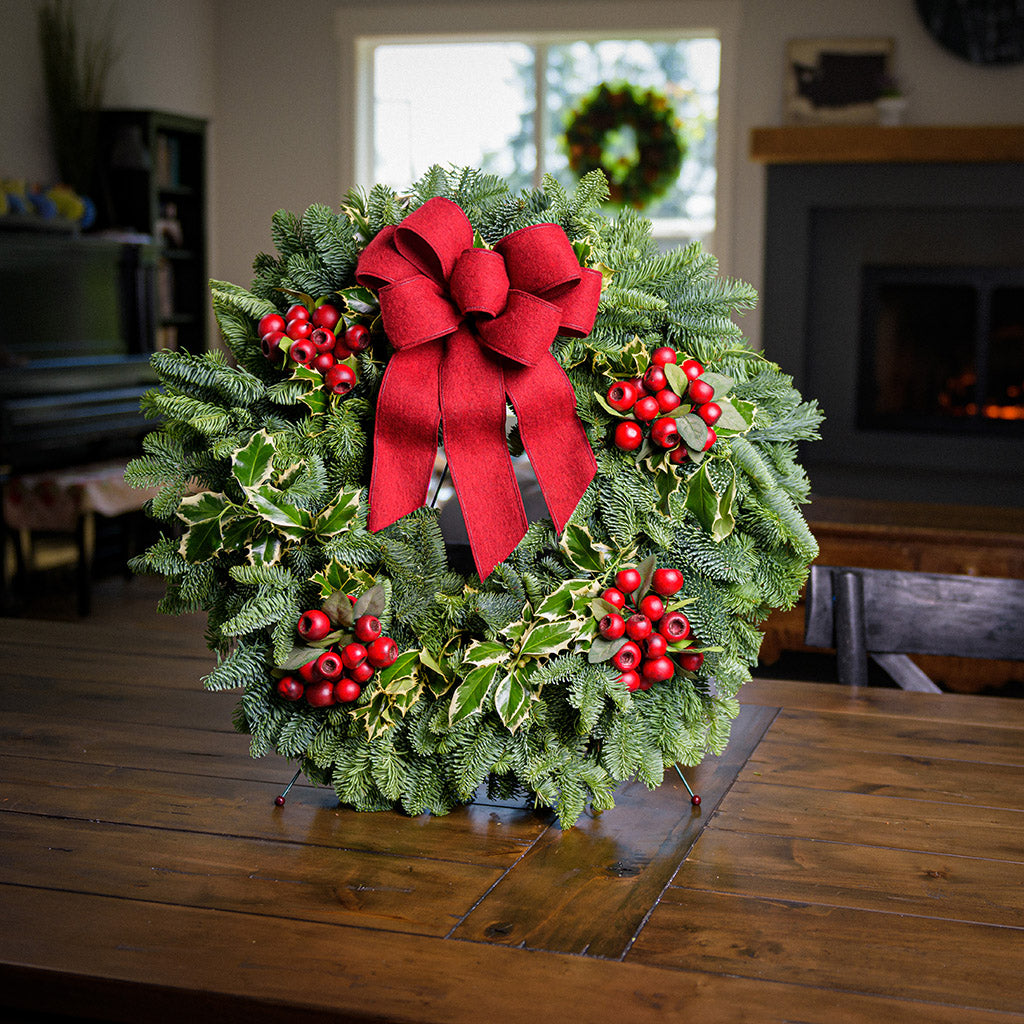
246	666
286	232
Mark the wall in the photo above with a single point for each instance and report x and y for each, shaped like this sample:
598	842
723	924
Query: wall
279	80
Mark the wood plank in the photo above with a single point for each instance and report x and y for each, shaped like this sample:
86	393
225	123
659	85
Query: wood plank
479	833
912	776
959	741
901	956
927	884
126	961
795	811
873	143
612	867
272	879
1005	712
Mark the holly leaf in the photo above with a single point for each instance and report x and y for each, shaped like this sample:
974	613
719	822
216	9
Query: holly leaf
293	522
265	550
568	599
471	693
202	507
253	464
358	299
485	652
714	510
512	702
338	577
333	519
582	550
202	541
548	638
375	715
401	675
371	602
604	650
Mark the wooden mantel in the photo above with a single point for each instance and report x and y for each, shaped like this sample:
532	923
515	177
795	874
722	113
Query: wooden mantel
873	143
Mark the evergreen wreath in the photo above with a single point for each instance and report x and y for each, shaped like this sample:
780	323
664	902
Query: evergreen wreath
635	180
524	682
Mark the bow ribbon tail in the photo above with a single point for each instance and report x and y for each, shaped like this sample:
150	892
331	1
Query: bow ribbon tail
473	418
553	436
405	434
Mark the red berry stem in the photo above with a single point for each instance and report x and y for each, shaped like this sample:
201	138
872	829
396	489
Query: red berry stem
279	799
694	799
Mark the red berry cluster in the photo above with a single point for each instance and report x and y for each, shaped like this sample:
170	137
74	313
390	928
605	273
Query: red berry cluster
654	404
339	674
312	339
648	627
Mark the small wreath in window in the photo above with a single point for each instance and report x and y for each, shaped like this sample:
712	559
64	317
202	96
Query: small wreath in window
599	126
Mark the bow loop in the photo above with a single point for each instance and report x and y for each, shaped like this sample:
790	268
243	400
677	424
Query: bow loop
433	237
479	283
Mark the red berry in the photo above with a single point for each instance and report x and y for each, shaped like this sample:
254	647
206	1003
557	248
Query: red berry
313	625
271	344
302	351
667	581
655	379
628	657
631	679
614	597
320	695
710	412
290	688
691	369
700	391
638	383
347	690
323	339
690	660
665	432
622	395
357	338
712	438
655	646
325	316
628	436
663	355
674	627
297	312
353	654
657	670
382	652
653	607
341	379
627	580
367	628
612	626
270	324
638	627
298	329
308	672
678	455
329	665
668	400
361	672
646	408
322	362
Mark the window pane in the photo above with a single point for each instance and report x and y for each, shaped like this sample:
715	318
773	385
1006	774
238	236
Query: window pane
686	70
453	103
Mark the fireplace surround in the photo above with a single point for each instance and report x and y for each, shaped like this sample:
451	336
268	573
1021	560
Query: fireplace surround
864	208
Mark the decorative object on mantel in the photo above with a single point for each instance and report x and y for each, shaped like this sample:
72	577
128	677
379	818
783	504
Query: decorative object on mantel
605	639
979	31
835	80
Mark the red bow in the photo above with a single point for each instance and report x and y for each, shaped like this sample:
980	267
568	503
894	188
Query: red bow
470	326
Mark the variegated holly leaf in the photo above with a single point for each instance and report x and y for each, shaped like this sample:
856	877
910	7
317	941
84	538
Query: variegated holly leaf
548	638
471	693
402	675
269	502
713	509
375	715
265	550
358	299
253	464
441	669
337	516
737	416
512	702
485	652
342	578
205	513
582	550
570	598
202	507
514	631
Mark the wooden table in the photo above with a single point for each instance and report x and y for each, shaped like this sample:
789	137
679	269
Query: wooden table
857	857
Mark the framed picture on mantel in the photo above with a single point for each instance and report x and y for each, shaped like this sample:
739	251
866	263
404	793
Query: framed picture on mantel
836	81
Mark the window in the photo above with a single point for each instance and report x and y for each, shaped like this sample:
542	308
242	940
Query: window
501	105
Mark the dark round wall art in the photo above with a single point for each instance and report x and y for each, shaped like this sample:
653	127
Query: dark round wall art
979	31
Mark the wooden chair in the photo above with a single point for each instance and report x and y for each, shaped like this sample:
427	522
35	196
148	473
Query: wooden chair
888	614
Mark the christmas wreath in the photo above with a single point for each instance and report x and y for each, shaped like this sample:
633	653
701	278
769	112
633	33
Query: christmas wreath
558	657
646	171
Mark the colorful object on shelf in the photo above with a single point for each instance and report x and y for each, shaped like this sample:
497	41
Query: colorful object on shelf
639	170
362	643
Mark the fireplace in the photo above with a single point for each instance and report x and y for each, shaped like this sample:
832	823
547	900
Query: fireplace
894	293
